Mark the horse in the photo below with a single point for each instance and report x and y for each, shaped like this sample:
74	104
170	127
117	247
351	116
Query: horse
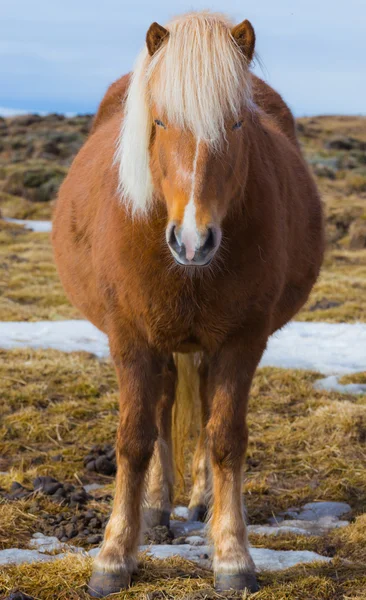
188	229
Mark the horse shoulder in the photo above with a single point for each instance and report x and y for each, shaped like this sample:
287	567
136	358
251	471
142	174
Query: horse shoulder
112	101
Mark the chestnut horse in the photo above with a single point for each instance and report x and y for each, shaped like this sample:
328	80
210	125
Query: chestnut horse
188	223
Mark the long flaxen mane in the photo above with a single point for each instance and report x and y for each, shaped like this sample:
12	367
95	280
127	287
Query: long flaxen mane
198	78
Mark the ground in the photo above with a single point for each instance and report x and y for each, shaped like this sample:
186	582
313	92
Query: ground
59	411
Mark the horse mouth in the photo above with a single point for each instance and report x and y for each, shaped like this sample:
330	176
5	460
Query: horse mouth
198	260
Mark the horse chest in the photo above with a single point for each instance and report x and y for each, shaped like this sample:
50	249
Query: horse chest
185	317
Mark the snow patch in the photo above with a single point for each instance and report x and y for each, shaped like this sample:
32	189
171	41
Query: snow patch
17	556
331	384
67	336
45	543
38	226
181	512
329	348
265	559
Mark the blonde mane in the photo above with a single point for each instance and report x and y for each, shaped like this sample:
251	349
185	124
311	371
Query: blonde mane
198	79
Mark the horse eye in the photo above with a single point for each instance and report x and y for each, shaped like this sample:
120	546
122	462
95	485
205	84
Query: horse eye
159	123
237	125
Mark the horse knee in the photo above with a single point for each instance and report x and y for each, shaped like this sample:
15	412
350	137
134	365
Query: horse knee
135	442
227	441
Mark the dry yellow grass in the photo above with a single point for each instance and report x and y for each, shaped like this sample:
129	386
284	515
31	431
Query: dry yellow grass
177	579
29	284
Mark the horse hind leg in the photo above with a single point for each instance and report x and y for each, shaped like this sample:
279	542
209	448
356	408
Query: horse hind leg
201	467
159	494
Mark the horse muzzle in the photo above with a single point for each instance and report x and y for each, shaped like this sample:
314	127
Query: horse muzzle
199	254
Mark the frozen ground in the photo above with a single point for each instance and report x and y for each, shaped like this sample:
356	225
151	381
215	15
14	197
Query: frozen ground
328	348
38	226
315	518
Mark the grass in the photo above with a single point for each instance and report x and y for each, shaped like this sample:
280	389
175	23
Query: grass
354	378
342	285
29	283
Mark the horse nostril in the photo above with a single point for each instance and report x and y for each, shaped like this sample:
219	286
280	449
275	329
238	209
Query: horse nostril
209	243
173	239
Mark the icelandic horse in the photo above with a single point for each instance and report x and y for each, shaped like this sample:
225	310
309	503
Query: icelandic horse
188	223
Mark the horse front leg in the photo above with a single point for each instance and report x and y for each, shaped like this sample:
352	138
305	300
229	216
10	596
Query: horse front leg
160	488
139	377
230	375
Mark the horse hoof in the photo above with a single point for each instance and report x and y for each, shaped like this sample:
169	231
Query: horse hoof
102	584
236	581
154	517
198	513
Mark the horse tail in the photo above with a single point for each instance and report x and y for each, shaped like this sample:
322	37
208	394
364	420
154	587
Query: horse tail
186	414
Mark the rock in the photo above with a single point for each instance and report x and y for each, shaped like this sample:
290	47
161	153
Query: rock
317	510
51	488
18	491
70	530
159	535
195	540
180	528
18	596
324	171
179	541
59	494
345	143
357	233
324	304
44	543
94	539
79	497
92	487
102	459
104	466
40	482
57	458
60	533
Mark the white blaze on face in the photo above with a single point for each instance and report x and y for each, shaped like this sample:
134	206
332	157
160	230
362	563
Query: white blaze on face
189	234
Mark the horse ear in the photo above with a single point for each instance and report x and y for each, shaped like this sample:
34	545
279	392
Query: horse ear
155	36
244	36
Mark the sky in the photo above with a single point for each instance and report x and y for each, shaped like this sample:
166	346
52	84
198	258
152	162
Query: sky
60	56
